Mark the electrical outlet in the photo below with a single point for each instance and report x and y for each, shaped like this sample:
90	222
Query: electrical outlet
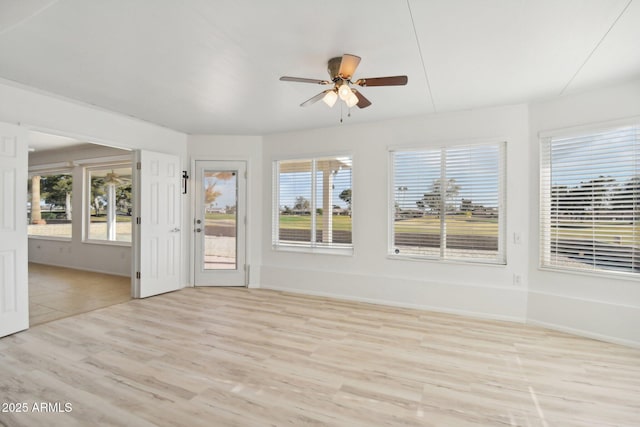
517	239
517	279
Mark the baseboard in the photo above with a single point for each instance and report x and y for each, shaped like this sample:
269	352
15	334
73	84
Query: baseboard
597	319
73	267
584	333
477	315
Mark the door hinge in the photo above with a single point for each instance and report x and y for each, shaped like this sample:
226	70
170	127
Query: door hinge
137	274
245	220
246	174
138	221
139	165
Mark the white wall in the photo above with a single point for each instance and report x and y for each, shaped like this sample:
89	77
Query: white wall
591	305
249	149
369	275
49	113
74	253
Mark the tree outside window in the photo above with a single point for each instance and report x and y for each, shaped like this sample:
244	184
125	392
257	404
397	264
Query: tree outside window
110	203
49	205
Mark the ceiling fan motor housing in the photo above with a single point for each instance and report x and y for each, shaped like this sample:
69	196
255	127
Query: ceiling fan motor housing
333	68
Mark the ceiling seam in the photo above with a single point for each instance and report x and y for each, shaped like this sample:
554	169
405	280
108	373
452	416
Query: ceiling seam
613	24
424	68
24	20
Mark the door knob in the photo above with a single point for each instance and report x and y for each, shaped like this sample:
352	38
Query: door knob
175	230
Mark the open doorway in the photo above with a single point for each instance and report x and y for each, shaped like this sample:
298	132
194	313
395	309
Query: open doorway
79	207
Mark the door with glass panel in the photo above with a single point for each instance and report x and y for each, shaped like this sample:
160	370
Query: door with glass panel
220	223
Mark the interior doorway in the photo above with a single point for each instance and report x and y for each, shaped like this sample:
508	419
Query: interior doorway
79	212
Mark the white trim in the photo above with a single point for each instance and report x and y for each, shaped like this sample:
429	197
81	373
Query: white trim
104	161
74	267
583	333
446	143
589	128
50	238
343	251
473	314
51	167
456	261
107	242
599	274
311	156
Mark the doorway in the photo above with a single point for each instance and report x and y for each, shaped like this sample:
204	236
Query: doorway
220	223
79	204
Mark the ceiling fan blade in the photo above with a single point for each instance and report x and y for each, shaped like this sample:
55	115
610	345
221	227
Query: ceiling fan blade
315	99
383	81
362	101
348	65
303	80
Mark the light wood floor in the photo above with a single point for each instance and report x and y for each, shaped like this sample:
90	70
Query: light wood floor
57	292
238	357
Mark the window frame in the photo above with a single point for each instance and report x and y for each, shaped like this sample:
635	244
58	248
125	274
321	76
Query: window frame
346	249
545	187
86	209
64	168
501	256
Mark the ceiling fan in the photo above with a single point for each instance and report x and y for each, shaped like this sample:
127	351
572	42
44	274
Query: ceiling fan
341	71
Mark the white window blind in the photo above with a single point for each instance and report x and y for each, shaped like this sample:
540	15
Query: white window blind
448	203
590	196
312	203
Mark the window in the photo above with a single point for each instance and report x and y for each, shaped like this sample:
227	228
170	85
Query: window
109	203
312	203
448	203
590	201
49	205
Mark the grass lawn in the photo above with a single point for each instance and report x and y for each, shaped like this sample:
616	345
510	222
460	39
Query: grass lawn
103	218
463	226
303	222
603	231
217	216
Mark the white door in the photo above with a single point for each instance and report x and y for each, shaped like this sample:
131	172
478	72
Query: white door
14	291
220	223
157	254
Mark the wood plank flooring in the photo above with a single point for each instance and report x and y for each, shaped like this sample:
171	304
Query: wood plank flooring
58	292
238	357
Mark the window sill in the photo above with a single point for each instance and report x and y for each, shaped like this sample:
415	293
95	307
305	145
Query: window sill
52	238
107	243
346	251
477	262
619	275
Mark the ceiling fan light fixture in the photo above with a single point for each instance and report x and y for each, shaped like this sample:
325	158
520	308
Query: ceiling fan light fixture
352	99
330	98
344	91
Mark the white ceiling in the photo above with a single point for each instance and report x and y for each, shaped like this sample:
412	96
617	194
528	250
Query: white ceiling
212	66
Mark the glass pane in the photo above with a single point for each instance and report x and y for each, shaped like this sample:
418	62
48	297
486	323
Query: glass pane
49	206
472	199
417	203
110	204
220	196
294	201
